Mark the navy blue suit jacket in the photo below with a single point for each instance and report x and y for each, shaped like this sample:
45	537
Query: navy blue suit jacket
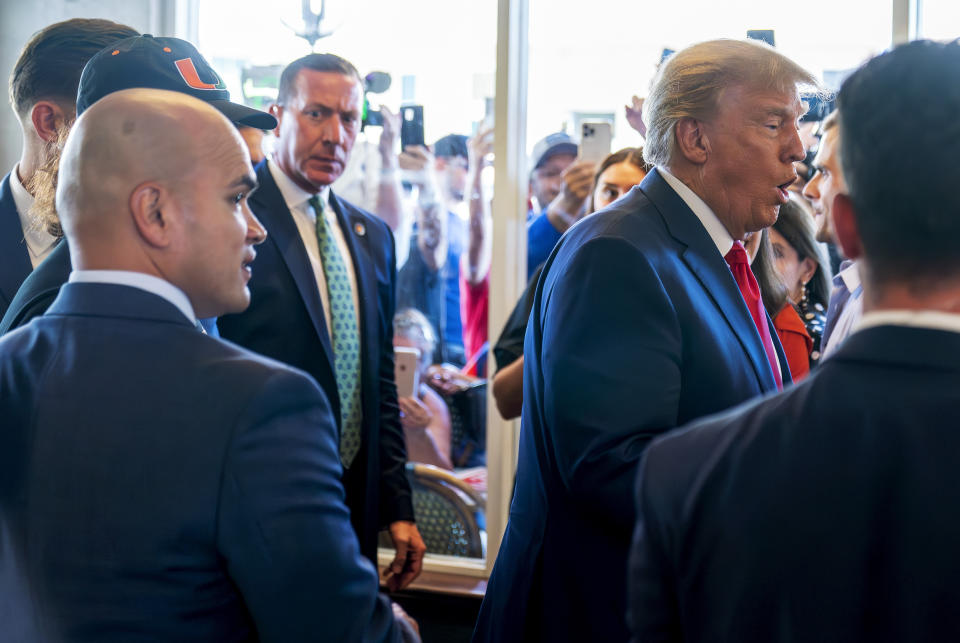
14	257
160	485
285	321
824	514
637	327
42	286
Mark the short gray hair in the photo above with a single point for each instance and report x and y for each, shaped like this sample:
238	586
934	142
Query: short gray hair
689	84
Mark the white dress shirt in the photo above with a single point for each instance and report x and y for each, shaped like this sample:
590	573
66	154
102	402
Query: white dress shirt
716	229
39	242
708	218
297	201
149	283
852	309
930	319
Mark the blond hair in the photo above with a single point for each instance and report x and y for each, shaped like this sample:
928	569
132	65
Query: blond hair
689	84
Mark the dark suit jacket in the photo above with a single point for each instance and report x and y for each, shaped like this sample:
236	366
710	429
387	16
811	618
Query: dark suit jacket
638	326
42	286
160	485
14	257
285	321
824	514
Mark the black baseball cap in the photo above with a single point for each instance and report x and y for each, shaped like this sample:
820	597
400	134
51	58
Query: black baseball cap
162	63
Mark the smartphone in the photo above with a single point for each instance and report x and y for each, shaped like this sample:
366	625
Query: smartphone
595	140
766	35
411	126
406	371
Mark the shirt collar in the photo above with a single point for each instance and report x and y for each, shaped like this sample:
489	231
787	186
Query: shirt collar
932	319
850	274
38	240
717	231
143	281
293	195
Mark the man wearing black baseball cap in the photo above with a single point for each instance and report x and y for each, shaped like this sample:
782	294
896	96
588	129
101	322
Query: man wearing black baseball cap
140	61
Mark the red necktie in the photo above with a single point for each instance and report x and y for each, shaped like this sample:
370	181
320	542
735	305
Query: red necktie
740	267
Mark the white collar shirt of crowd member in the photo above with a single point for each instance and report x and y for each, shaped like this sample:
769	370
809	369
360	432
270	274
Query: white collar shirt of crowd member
297	200
852	309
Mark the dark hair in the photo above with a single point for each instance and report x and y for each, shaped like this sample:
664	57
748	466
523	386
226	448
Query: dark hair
315	62
772	289
632	155
450	146
53	59
908	223
797	228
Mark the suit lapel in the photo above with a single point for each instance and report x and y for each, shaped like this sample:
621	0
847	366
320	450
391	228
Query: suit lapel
271	209
14	257
701	256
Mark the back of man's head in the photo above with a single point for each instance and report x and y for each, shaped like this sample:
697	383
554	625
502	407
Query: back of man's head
50	64
129	139
905	105
689	84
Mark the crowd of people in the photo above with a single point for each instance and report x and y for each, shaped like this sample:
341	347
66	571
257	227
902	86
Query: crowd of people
735	358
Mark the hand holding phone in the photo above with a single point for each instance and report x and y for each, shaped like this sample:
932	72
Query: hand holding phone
406	371
411	126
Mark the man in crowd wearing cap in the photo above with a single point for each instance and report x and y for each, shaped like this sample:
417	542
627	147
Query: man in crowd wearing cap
846	299
559	186
818	516
430	278
180	488
138	61
323	297
646	316
43	94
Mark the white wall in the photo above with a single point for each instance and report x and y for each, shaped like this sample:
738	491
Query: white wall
20	19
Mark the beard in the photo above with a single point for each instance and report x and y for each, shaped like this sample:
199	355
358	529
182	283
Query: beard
43	185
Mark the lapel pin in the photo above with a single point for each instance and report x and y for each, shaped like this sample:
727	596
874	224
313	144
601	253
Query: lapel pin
359	228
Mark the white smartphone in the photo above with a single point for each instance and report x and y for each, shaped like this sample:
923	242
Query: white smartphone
406	371
595	140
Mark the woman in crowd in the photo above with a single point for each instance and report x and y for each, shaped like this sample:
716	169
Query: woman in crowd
424	416
783	274
615	176
804	267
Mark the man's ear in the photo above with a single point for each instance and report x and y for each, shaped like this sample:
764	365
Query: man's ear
154	214
844	221
691	140
276	111
46	116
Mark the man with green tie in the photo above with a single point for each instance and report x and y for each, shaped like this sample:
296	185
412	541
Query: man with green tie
322	298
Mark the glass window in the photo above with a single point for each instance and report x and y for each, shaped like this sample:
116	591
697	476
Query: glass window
591	57
939	19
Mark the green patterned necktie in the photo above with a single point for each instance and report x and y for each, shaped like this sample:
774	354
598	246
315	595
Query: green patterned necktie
344	334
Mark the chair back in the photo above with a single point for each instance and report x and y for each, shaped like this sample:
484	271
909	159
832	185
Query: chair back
446	511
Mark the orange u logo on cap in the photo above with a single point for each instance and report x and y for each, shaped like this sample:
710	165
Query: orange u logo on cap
190	76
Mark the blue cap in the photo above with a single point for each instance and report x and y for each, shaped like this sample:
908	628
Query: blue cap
551	145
